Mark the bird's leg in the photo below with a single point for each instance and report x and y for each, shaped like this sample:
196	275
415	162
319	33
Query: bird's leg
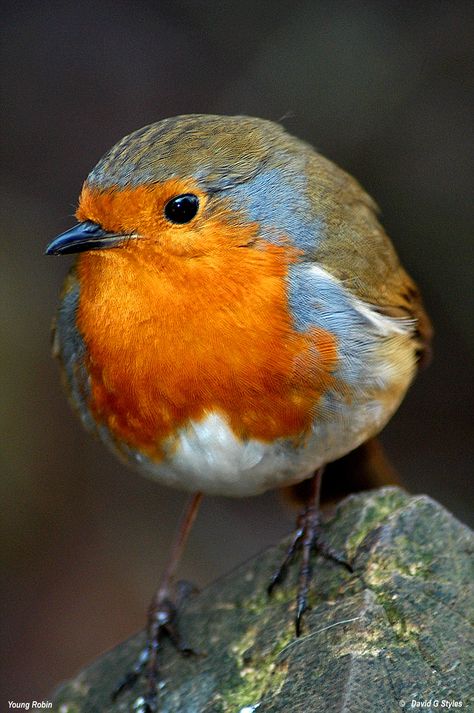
162	618
280	574
307	537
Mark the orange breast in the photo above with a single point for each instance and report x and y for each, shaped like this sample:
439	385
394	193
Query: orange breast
173	337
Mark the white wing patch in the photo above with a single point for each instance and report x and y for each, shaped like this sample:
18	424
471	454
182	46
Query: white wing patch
383	324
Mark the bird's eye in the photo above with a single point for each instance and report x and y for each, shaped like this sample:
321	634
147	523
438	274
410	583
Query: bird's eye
182	209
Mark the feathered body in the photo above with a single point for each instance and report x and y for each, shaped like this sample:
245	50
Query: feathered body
273	333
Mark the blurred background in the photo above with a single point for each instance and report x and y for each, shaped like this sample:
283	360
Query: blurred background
382	88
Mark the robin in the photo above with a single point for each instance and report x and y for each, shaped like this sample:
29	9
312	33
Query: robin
236	319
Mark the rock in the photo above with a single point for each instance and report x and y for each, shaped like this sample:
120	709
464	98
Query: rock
394	633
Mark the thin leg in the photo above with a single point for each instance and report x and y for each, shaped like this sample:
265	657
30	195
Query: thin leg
279	576
178	546
162	613
304	580
307	537
162	616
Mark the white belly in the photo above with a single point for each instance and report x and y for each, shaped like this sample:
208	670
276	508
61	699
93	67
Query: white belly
207	457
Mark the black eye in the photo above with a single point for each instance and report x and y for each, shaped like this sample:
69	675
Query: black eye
182	209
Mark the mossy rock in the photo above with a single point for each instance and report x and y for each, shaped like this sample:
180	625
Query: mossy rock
395	631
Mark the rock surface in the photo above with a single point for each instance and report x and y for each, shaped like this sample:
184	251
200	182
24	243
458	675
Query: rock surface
397	630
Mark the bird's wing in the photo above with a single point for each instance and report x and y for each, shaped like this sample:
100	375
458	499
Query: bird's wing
357	251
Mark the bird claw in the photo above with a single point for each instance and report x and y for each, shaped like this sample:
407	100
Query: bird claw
161	624
308	537
330	553
131	677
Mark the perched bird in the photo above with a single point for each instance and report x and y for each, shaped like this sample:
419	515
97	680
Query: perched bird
236	319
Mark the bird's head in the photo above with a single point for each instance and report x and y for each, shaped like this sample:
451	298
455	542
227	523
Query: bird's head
197	185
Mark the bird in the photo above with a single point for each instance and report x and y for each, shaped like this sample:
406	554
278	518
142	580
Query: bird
236	319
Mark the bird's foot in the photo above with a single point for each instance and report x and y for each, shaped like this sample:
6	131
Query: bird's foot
307	538
162	624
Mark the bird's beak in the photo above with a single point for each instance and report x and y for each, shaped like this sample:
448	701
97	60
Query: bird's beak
85	236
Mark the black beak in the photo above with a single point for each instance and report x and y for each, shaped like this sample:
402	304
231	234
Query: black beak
84	236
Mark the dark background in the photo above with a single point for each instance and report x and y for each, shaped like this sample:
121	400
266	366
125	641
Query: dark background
380	87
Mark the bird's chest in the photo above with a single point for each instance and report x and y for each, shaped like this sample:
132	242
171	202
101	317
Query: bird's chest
159	360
